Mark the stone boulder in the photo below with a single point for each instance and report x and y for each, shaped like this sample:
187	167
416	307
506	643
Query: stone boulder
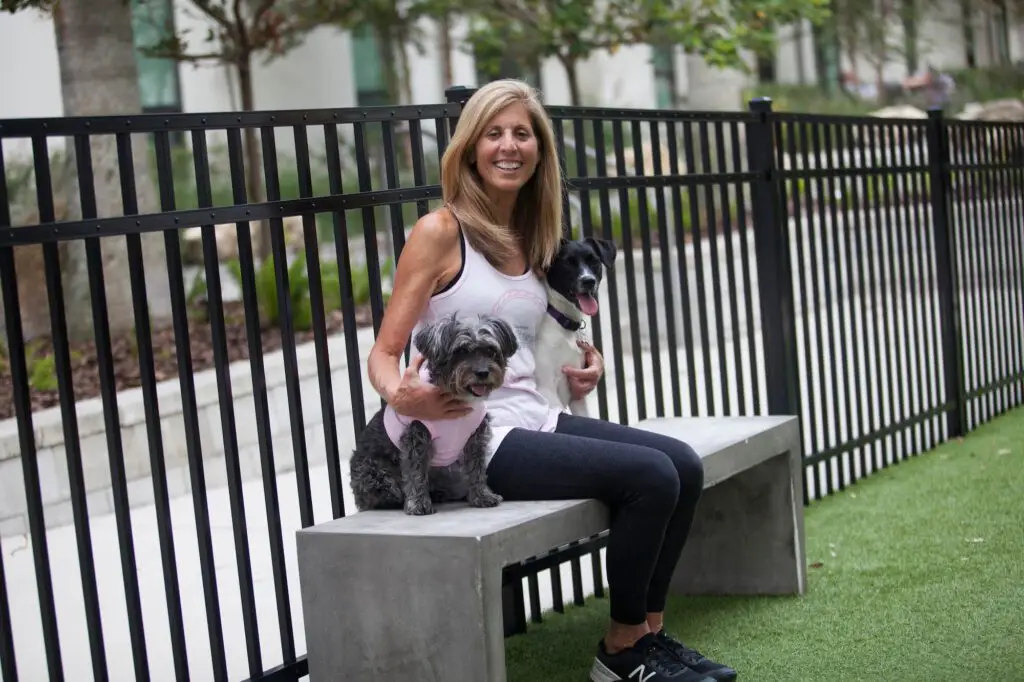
996	110
900	111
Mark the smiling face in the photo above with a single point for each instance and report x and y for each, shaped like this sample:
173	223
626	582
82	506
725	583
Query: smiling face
507	153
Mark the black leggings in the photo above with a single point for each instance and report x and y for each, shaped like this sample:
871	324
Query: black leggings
650	482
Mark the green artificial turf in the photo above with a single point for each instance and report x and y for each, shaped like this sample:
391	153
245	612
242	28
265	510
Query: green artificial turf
917	573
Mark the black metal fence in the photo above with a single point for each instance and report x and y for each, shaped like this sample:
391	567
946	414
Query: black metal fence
179	402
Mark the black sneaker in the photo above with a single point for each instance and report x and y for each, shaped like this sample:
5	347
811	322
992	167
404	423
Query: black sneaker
696	660
646	661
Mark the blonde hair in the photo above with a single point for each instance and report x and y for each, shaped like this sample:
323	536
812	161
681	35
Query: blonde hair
537	217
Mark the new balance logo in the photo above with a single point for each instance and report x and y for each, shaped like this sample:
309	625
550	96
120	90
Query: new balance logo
640	674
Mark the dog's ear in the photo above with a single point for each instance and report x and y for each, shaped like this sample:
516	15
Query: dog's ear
424	340
505	335
432	339
604	248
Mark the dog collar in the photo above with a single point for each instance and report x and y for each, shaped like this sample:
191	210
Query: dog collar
564	320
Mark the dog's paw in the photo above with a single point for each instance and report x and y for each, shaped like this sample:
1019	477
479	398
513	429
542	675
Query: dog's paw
484	498
419	506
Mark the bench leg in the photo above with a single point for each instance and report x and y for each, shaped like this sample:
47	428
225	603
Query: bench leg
389	609
748	534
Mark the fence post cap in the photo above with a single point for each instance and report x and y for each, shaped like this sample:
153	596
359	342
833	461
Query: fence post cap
935	112
761	104
458	93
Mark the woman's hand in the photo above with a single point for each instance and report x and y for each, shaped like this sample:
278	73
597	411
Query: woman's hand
418	399
583	381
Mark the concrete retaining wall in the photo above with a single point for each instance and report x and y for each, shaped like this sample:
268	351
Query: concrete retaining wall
52	456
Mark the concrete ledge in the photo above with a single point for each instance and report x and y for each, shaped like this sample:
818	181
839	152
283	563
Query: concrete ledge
51	454
392	597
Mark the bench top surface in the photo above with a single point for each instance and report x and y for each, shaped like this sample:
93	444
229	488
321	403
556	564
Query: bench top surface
727	446
709	436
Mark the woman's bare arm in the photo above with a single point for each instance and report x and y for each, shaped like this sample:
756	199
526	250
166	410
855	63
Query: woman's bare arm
426	258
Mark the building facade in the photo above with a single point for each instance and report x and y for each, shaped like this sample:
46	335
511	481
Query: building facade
335	68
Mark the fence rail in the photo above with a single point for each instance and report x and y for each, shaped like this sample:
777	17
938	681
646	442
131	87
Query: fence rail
187	296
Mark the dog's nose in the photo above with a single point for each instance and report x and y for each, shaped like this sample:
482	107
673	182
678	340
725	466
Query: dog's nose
588	282
482	374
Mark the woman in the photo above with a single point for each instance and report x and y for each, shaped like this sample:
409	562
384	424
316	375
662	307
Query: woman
486	251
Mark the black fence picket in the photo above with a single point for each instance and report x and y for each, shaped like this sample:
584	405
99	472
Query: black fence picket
864	274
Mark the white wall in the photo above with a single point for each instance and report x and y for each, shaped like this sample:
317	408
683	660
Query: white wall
792	48
314	75
1016	35
941	40
715	89
30	77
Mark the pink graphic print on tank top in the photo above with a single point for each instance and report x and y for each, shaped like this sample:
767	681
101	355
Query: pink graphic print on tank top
517	305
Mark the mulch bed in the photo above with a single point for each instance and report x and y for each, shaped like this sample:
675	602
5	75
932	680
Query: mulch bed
85	375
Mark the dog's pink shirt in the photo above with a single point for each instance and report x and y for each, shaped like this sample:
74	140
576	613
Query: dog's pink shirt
449	435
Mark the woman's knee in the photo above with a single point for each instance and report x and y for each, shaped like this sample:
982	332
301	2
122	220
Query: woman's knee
688	465
652	475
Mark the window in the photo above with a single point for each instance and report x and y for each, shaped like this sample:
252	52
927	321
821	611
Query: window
159	87
664	63
765	68
967	16
371	86
1000	40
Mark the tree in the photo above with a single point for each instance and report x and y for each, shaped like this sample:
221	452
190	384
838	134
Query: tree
239	31
395	24
98	73
876	31
571	30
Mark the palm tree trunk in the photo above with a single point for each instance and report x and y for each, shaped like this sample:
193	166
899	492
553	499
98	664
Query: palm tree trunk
99	77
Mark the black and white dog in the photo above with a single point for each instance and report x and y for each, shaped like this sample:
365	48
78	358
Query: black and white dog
572	283
400	462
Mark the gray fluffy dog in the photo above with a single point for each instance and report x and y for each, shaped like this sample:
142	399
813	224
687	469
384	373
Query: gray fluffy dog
407	463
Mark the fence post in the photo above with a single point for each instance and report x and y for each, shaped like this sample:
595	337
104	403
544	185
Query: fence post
774	270
940	193
457	94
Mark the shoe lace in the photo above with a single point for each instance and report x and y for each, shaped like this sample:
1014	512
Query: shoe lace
662	658
689	655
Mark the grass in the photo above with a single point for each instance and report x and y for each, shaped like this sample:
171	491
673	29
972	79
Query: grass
917	574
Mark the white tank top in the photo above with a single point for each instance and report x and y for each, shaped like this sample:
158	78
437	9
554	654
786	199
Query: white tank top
521	301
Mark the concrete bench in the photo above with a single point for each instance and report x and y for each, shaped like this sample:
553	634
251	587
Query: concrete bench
391	597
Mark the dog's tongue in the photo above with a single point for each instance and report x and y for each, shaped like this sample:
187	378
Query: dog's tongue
478	389
587	304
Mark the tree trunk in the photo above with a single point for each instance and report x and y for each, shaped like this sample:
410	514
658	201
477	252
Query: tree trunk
403	136
885	16
405	75
444	25
388	61
253	158
99	77
798	39
574	83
